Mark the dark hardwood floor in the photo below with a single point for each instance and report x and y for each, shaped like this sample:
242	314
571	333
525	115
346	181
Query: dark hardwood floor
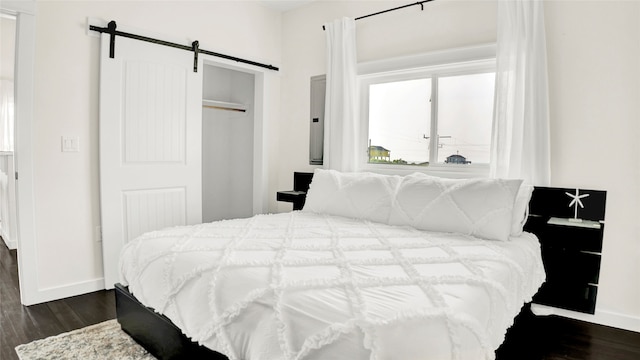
20	324
530	338
555	338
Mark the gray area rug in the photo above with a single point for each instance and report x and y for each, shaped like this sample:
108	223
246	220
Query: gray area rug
101	341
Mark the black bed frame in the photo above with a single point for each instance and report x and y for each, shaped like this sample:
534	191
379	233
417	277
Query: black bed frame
155	332
158	335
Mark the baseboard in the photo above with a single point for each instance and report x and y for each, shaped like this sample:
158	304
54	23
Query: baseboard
11	244
602	317
64	291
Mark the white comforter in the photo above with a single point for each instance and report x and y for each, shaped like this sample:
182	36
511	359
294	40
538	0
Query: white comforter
308	286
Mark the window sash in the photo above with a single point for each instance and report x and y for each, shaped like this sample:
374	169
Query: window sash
434	73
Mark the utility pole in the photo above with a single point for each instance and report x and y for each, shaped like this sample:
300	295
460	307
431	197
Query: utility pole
438	142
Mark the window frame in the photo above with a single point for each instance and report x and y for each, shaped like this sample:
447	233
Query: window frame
459	61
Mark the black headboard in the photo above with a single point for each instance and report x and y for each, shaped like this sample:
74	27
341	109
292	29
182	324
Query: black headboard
554	202
545	201
301	181
571	248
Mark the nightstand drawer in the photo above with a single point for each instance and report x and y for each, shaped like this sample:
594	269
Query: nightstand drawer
570	266
571	237
568	296
566	237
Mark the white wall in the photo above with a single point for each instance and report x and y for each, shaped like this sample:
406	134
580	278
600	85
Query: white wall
594	79
443	24
66	185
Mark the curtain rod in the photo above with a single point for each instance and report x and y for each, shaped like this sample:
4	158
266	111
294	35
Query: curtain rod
111	29
421	3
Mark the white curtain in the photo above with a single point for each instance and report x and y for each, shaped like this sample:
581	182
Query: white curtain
520	138
341	100
6	115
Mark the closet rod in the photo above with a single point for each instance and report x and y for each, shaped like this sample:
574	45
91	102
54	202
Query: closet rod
421	3
223	108
111	29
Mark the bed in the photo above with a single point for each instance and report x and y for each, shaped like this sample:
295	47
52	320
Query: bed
373	267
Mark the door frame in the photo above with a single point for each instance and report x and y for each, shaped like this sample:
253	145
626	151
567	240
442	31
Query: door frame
25	12
263	79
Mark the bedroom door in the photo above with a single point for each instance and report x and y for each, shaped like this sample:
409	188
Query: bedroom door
150	143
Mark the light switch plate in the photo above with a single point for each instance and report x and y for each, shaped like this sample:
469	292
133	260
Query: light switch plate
70	144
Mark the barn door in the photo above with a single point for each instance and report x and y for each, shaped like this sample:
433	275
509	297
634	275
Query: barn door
150	143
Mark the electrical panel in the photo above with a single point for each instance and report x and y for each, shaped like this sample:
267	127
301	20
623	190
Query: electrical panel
316	132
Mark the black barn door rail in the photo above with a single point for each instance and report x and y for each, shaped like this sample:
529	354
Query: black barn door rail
421	3
194	47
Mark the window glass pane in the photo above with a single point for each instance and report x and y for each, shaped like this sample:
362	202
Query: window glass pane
465	112
399	121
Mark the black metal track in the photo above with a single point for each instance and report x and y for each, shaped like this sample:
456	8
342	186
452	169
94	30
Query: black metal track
421	3
194	47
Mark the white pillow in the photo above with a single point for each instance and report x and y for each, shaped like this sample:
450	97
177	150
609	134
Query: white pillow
478	207
521	209
364	196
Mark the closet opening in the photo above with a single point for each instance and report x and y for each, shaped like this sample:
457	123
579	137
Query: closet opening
228	124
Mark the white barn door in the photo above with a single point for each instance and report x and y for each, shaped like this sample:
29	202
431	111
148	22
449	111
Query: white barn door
150	143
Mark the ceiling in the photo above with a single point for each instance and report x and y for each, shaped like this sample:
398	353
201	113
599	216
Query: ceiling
284	5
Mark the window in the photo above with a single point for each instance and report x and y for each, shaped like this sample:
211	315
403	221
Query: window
431	117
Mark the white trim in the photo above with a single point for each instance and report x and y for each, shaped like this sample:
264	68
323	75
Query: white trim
601	317
467	60
260	141
24	7
11	244
24	95
435	58
440	170
68	290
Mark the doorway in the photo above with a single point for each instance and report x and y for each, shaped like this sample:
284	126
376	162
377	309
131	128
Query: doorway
227	143
8	228
24	13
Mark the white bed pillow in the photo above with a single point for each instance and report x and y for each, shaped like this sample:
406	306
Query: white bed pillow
478	207
366	196
521	209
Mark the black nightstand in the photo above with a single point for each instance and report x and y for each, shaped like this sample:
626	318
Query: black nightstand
571	250
295	197
298	195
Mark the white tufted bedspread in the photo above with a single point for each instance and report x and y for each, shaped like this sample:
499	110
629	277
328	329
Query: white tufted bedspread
309	286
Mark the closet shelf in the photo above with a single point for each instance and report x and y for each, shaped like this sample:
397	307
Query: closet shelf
223	105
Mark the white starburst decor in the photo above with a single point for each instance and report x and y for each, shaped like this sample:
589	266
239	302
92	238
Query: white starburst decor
575	203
